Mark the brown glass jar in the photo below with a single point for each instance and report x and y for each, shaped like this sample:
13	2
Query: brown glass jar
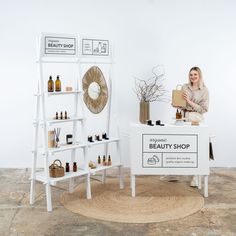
67	167
74	167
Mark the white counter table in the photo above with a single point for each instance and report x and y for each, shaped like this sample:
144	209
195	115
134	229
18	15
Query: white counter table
169	150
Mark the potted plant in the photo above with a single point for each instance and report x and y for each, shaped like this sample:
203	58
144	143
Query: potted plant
150	90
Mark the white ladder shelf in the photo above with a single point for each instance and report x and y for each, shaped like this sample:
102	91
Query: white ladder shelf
42	124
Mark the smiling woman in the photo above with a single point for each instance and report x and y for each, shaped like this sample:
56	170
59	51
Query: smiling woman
196	95
197	101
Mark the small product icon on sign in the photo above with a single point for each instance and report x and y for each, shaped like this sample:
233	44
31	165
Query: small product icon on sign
153	160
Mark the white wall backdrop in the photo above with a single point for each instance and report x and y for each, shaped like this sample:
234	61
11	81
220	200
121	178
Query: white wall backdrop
176	34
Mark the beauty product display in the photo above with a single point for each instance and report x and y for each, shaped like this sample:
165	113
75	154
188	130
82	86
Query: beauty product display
149	122
97	137
104	160
51	139
69	139
194	122
90	139
92	165
158	122
99	160
67	167
50	84
57	135
109	161
65	117
74	167
69	89
178	115
58	84
104	136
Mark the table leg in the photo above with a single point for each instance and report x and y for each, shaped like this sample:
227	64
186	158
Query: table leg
199	182
206	186
133	185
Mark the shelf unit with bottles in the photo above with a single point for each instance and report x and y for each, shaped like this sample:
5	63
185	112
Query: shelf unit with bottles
43	123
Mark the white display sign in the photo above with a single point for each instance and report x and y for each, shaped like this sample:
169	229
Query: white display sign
169	150
59	45
95	47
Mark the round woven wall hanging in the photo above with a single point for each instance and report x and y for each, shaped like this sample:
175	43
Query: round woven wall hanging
95	90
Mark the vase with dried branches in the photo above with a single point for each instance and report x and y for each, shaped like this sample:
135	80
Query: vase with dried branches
150	90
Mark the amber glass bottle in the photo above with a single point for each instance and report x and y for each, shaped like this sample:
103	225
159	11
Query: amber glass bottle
58	84
109	160
104	160
99	160
74	167
50	84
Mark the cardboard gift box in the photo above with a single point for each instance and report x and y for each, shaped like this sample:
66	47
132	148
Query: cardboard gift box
177	97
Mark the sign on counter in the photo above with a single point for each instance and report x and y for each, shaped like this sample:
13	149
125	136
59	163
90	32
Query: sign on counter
169	151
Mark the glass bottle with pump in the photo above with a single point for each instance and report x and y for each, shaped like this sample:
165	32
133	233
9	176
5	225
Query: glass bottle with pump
50	84
58	84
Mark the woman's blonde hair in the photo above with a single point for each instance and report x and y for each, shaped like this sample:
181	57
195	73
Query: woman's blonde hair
200	83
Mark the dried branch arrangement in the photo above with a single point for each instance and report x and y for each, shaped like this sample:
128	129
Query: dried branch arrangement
152	89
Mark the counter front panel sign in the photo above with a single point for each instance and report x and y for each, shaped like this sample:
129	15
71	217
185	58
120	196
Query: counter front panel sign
169	151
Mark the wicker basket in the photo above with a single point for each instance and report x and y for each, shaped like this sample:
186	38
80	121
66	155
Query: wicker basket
56	170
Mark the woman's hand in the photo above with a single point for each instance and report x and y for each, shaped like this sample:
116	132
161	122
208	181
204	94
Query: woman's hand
185	96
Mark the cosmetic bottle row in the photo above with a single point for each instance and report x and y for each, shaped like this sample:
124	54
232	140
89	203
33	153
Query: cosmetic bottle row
97	137
54	86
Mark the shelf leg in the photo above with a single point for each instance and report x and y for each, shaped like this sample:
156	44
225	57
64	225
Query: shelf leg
88	187
206	186
48	197
103	176
121	177
35	153
33	182
133	185
199	182
72	180
71	185
32	191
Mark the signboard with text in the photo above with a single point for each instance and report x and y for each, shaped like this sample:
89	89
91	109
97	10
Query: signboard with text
95	47
59	45
169	150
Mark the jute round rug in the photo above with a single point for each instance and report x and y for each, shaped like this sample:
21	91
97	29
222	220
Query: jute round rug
155	201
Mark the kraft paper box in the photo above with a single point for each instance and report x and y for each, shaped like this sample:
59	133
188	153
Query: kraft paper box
177	97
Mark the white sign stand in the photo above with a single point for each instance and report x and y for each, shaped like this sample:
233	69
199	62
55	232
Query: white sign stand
169	150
